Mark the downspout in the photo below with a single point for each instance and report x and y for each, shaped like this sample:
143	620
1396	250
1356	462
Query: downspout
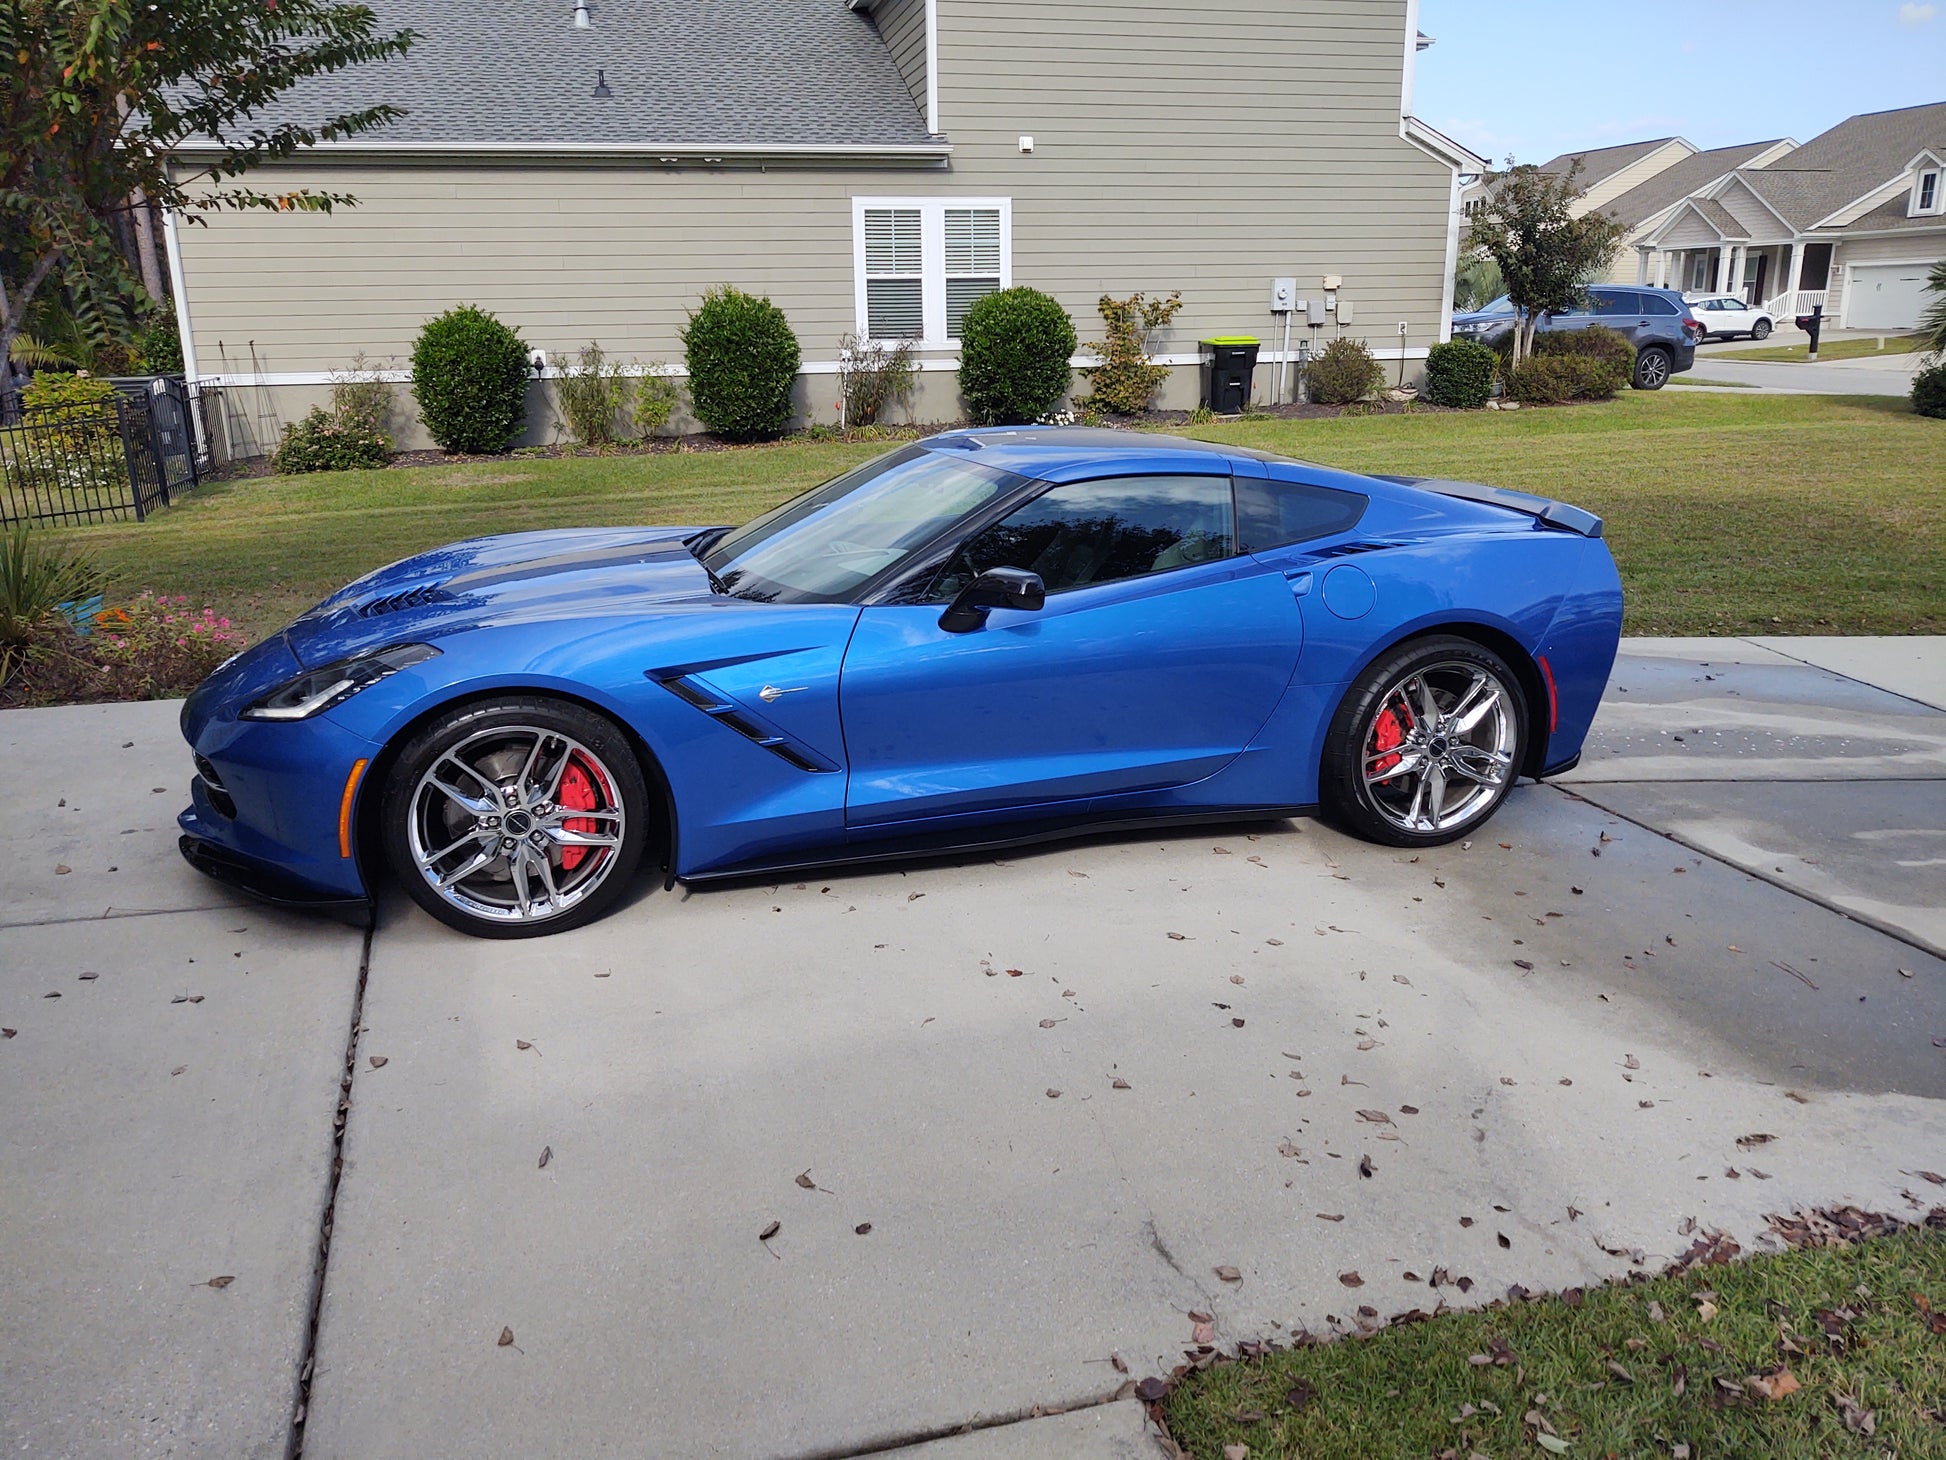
180	288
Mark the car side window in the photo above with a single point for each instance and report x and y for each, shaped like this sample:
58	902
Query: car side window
1656	304
1102	531
1274	514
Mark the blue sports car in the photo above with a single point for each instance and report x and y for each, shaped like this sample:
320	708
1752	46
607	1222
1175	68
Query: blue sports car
984	638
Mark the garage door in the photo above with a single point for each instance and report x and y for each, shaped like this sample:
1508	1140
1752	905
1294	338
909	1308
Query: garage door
1885	296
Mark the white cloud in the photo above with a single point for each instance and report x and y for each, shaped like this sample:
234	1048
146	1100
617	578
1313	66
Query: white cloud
1910	14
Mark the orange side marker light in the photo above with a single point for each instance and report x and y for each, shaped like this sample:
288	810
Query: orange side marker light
344	806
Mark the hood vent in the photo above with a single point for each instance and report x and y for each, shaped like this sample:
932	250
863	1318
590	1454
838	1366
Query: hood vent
418	597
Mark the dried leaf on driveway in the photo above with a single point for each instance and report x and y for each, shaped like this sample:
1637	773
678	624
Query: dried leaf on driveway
1228	1274
1203	1333
506	1338
1118	1083
1755	1139
378	1061
1152	1390
1376	1117
1049	1023
1351	1279
1364	1044
1120	1363
1330	1216
219	1283
1180	937
1053	1094
1365	1167
863	1229
523	1044
547	1154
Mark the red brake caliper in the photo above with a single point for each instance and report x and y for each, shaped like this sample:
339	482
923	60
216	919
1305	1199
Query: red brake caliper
577	794
1387	736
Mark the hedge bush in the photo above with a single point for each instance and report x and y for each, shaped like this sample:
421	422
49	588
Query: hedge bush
330	441
1929	391
1460	373
1542	380
469	372
743	359
1597	342
1015	346
158	348
1127	379
1342	372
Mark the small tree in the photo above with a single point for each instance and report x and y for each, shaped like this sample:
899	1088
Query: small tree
101	95
1545	254
1127	380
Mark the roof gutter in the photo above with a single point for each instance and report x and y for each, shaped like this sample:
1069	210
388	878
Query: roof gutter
667	154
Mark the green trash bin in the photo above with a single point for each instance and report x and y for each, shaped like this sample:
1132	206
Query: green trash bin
1228	363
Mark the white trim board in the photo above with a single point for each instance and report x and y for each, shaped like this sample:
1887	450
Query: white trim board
243	378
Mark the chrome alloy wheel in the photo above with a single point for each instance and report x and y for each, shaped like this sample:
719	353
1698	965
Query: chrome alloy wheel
516	824
1440	747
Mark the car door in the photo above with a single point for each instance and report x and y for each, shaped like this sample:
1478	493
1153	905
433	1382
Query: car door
1622	310
1159	653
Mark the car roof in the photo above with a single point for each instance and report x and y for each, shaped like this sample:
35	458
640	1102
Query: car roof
1038	451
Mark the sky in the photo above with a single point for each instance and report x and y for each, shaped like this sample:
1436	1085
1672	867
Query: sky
1534	78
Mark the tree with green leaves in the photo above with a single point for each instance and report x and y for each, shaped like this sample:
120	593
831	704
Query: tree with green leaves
1545	253
1932	324
97	96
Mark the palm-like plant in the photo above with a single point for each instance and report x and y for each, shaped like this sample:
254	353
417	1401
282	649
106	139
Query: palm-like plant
1932	325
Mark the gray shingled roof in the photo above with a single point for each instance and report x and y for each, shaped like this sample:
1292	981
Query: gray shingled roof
1842	165
1720	218
1603	162
723	73
1673	184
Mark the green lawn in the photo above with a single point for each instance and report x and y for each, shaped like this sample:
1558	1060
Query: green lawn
1727	513
1663	1368
1830	350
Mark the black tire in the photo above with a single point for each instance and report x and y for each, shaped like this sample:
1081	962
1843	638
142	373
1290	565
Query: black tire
1652	368
1761	331
583	851
1370	807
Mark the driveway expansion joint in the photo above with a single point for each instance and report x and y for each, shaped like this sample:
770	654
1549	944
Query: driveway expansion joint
970	1427
341	1121
1890	930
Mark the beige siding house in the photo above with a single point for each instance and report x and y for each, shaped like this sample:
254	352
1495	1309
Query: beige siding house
872	167
1851	221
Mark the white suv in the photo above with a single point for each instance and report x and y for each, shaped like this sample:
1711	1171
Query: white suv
1724	316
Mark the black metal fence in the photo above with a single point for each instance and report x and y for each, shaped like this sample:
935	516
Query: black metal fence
104	462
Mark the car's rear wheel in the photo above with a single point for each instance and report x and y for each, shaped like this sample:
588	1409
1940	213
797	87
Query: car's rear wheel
1652	368
1761	330
514	817
1426	745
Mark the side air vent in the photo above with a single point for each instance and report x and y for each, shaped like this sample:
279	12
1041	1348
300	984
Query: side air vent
418	597
743	721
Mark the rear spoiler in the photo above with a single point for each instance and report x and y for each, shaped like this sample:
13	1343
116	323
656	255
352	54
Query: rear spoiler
1548	513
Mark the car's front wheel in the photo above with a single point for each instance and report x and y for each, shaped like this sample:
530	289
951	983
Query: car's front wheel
1652	368
1426	745
1761	331
518	816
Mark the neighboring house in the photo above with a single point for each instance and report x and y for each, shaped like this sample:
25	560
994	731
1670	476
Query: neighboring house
1644	207
874	167
1600	172
1851	220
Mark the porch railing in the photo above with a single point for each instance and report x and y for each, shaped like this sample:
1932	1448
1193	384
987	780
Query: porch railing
1789	306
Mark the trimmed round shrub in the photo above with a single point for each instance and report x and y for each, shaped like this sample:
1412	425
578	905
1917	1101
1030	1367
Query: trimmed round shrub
1015	346
1460	373
1342	372
469	372
1545	380
743	358
1929	391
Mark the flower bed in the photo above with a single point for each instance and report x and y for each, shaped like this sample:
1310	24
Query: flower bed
149	648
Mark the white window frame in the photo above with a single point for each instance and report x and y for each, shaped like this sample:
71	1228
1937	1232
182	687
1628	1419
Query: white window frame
1920	208
932	252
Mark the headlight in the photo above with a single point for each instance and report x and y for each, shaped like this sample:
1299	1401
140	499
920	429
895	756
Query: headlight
320	689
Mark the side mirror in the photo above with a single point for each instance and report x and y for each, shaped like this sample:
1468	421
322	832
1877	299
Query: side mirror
995	588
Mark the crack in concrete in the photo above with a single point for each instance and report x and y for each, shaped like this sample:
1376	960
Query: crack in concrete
973	1426
1162	1251
341	1121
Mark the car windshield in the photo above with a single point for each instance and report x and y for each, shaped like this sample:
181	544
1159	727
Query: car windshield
1501	305
823	546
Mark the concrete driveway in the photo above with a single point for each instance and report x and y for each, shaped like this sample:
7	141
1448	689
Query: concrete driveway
1034	1103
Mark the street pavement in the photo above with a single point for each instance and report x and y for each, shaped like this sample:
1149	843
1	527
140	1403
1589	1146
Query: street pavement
1877	374
1034	1102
